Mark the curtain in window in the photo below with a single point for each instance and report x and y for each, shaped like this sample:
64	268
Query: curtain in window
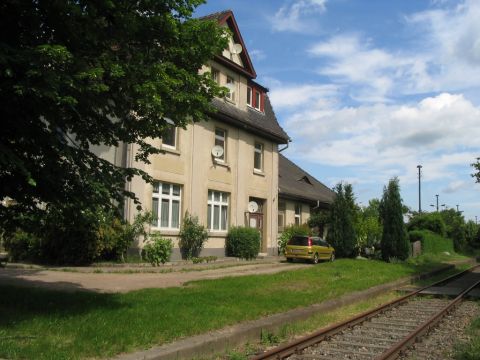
224	217
216	217
164	213
175	214
155	211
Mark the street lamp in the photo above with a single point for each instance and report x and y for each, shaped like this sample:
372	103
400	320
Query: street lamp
457	207
437	201
475	219
419	188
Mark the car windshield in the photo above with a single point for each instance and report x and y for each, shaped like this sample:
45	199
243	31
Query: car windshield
299	241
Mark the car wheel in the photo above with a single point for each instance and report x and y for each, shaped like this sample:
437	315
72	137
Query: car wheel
332	257
290	259
315	259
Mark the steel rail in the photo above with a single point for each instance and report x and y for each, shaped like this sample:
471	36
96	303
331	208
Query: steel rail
397	349
283	351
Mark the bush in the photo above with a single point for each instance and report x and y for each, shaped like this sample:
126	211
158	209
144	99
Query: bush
158	250
428	221
22	246
192	237
416	235
290	231
243	242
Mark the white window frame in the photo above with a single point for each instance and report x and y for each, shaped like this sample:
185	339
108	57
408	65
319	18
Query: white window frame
175	136
221	140
222	204
250	91
215	75
298	216
171	198
258	151
231	93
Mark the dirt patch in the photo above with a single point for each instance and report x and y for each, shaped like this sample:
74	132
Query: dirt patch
124	282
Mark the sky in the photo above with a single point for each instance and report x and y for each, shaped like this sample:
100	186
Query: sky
369	89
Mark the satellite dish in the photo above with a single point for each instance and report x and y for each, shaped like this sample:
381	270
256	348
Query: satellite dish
217	151
252	207
236	49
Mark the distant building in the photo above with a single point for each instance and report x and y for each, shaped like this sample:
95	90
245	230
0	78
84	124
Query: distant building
299	194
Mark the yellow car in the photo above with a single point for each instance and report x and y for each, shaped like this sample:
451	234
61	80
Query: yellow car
311	248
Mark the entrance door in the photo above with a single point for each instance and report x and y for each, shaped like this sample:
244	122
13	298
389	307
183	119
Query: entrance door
255	220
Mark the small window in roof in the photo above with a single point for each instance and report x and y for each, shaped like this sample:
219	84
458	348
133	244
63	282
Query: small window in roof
305	179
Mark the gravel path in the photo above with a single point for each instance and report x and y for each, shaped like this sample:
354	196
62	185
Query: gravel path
439	344
118	282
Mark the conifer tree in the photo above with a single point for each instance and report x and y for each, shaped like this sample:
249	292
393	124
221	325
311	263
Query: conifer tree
341	234
395	242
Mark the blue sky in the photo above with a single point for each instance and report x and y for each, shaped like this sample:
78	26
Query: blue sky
367	90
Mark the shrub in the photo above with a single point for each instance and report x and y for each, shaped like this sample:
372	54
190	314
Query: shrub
192	237
158	250
243	242
428	221
416	235
22	246
290	231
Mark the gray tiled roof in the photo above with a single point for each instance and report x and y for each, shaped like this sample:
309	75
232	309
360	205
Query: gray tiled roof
294	182
264	124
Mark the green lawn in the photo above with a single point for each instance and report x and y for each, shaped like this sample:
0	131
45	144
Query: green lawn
40	324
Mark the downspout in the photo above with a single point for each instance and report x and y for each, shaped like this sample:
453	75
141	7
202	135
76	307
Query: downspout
285	148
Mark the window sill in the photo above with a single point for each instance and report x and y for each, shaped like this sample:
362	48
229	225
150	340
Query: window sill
166	232
217	234
258	172
169	150
255	109
221	163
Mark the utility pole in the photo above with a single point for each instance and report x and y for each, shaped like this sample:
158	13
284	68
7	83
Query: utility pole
475	219
457	207
419	188
437	201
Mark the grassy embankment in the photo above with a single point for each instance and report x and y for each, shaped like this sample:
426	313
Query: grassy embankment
41	324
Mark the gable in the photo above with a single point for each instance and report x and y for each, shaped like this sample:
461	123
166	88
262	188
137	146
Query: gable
236	60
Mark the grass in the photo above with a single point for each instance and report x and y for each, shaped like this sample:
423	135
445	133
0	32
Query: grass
471	349
44	324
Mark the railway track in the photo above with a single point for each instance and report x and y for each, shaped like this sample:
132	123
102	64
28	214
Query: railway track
385	332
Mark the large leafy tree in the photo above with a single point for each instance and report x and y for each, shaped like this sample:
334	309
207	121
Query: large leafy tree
77	73
395	243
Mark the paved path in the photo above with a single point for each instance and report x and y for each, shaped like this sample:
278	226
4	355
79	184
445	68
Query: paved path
124	282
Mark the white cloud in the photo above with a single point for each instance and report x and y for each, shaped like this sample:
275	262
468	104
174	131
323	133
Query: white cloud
257	54
455	186
292	16
373	74
316	95
439	132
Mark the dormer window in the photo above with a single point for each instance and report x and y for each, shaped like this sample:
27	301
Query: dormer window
249	96
231	88
255	98
216	75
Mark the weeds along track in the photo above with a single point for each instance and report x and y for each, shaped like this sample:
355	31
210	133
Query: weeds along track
385	332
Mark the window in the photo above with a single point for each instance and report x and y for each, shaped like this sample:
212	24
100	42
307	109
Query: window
281	215
166	205
258	157
257	101
220	140
255	98
169	138
217	211
231	88
298	214
215	75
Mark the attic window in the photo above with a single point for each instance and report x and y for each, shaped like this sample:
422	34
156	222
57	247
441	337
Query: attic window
305	179
255	98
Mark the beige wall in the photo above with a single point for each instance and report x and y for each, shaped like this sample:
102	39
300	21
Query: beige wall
193	167
290	211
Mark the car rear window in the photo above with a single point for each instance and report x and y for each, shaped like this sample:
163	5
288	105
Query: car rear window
299	241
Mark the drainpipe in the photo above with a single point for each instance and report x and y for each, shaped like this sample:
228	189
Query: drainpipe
285	148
